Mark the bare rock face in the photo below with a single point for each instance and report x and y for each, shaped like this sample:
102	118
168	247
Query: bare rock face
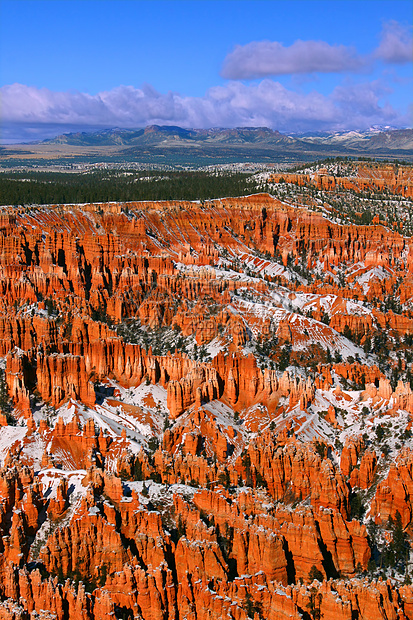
393	493
57	506
86	545
383	176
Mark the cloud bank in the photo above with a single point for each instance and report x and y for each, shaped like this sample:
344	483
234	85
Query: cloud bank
29	113
260	59
396	45
268	58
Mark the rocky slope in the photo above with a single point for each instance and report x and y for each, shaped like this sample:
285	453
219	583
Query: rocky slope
206	409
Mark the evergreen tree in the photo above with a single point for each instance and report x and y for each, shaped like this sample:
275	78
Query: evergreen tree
5	400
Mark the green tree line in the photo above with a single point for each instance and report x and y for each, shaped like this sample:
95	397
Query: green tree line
104	186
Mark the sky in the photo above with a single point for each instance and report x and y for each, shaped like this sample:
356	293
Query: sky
292	65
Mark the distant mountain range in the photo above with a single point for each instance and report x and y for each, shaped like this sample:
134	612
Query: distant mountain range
176	146
371	141
155	135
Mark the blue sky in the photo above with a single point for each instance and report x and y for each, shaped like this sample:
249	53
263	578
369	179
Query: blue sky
294	65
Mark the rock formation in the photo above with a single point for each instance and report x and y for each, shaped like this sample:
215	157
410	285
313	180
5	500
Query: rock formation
206	408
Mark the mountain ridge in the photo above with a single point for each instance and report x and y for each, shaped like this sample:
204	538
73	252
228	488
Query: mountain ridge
178	146
159	134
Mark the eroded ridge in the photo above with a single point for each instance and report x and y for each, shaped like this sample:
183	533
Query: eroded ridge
206	411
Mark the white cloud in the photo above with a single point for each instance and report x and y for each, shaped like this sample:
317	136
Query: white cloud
396	45
269	58
260	59
29	113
